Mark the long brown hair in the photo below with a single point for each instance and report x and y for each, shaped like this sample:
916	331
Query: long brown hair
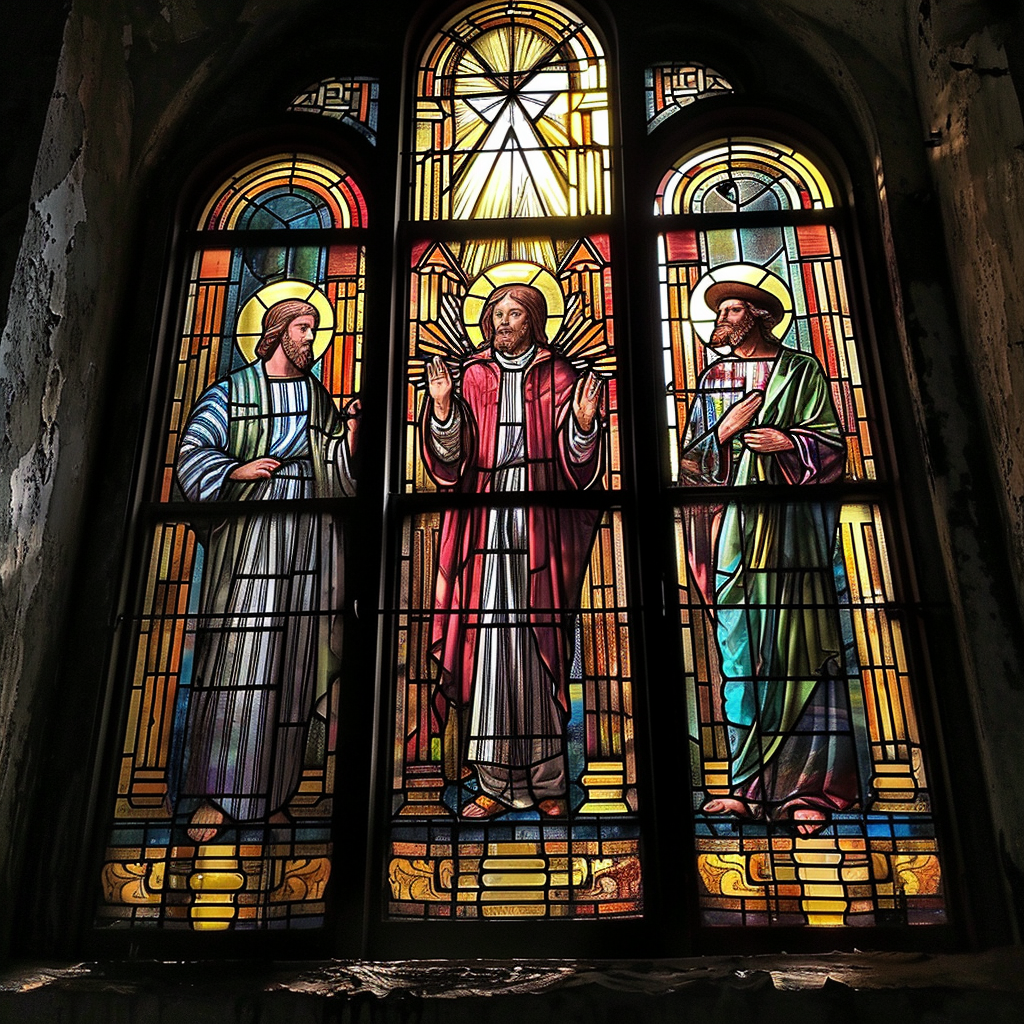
530	298
276	321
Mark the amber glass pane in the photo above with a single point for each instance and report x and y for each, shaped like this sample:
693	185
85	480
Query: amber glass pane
353	101
280	192
742	174
512	117
671	87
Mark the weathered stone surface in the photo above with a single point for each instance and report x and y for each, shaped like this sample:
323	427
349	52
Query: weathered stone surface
851	986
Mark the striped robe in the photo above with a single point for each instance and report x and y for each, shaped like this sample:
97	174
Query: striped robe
267	638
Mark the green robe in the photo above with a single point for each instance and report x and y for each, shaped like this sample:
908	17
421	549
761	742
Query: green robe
765	570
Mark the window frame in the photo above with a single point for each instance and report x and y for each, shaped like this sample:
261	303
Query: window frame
662	933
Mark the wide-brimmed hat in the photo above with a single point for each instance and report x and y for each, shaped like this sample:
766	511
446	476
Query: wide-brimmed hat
722	290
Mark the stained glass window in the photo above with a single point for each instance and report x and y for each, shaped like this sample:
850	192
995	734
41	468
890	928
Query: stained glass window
224	795
514	780
353	101
512	117
808	777
668	88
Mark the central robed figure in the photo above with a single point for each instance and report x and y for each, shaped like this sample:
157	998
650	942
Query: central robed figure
509	578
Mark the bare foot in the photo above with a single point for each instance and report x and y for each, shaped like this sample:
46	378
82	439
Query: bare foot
809	820
728	805
205	822
553	808
483	807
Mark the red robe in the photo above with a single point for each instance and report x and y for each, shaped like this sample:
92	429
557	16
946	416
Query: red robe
559	539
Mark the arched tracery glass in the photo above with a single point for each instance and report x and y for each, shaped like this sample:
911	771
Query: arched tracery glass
513	786
224	794
512	117
809	784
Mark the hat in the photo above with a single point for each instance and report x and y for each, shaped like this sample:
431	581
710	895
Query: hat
722	290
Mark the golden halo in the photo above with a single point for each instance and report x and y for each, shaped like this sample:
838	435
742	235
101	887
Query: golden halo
250	320
704	318
512	272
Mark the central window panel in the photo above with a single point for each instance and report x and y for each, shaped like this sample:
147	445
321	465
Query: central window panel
514	779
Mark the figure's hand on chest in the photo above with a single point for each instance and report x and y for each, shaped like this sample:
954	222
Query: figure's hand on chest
739	416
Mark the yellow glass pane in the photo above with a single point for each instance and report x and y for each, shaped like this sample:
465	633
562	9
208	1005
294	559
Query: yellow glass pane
512	117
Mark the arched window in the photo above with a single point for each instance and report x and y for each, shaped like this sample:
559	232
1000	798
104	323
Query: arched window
514	776
224	796
510	640
809	785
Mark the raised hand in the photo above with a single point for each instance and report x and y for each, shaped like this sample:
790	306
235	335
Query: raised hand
258	469
439	382
739	417
352	414
586	400
767	440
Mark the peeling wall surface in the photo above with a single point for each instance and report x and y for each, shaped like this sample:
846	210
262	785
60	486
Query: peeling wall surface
922	99
971	112
53	349
976	136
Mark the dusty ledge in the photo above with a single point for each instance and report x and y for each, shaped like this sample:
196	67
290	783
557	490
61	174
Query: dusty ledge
995	971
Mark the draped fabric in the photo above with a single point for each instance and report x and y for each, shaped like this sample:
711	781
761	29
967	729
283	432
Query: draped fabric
268	635
507	576
765	571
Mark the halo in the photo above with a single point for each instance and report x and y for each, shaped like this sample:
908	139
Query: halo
512	272
250	320
705	320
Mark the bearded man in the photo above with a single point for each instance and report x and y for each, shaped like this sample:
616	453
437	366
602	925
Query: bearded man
508	578
271	581
763	414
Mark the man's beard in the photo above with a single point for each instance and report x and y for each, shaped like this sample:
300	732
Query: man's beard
299	353
512	341
726	337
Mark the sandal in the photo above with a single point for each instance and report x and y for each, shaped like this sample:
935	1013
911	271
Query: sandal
486	807
554	807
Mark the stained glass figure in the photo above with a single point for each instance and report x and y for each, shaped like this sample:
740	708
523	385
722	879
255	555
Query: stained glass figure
671	87
224	795
353	101
513	754
809	782
512	117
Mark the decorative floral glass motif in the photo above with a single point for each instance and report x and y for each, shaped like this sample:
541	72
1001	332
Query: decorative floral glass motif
223	807
353	101
512	117
514	774
810	790
671	87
